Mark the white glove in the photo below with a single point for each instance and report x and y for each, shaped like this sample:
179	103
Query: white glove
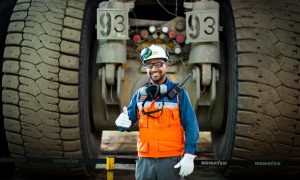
123	119
186	164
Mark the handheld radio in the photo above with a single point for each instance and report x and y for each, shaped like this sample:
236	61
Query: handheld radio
177	88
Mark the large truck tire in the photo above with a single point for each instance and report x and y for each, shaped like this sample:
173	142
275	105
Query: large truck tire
263	113
45	84
6	9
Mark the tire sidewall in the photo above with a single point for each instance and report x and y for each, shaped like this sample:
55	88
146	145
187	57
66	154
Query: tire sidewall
223	141
90	139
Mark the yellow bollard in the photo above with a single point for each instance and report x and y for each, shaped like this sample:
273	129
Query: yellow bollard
110	164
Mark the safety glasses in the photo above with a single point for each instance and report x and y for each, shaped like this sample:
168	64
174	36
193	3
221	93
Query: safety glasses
158	64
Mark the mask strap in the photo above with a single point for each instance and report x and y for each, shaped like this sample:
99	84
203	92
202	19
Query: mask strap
149	90
154	111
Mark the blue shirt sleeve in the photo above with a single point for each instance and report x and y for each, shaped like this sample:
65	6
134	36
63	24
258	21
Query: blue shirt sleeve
189	122
132	111
132	108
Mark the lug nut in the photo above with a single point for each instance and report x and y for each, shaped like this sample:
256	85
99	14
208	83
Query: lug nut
144	34
180	38
177	49
152	29
136	38
172	34
165	29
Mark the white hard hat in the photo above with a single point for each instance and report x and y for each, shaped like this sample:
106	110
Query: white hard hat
152	52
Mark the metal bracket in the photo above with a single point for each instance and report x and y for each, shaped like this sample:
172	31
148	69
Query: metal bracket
120	77
212	93
112	31
108	78
104	90
206	74
207	97
197	77
110	73
202	31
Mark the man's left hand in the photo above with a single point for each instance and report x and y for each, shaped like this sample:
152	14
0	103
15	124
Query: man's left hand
186	164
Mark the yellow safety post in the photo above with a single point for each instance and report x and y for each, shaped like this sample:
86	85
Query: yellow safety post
110	164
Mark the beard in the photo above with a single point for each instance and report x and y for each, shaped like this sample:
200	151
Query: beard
156	76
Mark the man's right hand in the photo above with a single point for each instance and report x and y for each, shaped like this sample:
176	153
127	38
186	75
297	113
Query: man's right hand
123	119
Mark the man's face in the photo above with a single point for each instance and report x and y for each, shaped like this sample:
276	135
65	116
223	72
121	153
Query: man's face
156	69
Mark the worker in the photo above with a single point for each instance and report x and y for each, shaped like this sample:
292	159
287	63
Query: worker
168	128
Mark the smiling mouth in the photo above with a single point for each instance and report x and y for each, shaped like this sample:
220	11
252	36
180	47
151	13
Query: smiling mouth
155	73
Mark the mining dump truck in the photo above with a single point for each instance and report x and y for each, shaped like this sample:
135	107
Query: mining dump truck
69	66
